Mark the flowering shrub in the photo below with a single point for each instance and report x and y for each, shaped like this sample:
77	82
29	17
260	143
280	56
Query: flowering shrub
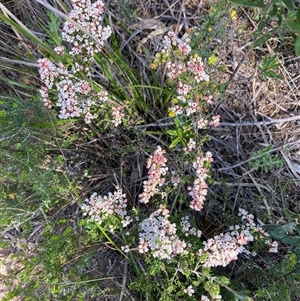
162	233
225	247
68	82
163	237
187	71
89	17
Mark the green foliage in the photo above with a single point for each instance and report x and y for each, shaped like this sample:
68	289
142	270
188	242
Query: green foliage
264	160
268	66
163	281
282	280
53	29
32	195
283	13
288	233
181	135
23	155
49	272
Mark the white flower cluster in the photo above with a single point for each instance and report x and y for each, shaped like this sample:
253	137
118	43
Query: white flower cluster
48	72
199	191
117	115
75	96
100	208
156	165
248	219
171	40
225	247
187	72
189	290
89	17
187	228
158	234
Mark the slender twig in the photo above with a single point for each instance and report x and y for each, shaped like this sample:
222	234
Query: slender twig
246	185
238	66
8	60
272	121
279	148
180	16
246	123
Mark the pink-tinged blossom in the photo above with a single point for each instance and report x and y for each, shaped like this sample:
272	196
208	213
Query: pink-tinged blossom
225	247
88	117
67	100
89	17
47	103
103	96
80	68
177	110
44	92
193	107
273	246
171	39
249	223
48	72
44	95
75	97
117	115
199	190
175	69
156	165
195	65
191	146
158	234
193	68
183	89
99	208
215	122
209	99
83	87
202	123
60	50
189	290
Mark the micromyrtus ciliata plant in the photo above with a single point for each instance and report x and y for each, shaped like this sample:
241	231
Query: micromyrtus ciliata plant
177	242
167	238
68	82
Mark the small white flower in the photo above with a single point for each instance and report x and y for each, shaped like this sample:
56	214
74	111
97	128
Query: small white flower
189	290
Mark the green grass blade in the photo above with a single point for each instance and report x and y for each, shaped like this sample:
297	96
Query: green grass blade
21	28
15	83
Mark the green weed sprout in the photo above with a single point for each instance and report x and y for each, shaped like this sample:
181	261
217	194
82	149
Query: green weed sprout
264	159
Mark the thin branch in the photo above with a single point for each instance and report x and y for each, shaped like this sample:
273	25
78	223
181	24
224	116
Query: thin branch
8	60
258	156
272	121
